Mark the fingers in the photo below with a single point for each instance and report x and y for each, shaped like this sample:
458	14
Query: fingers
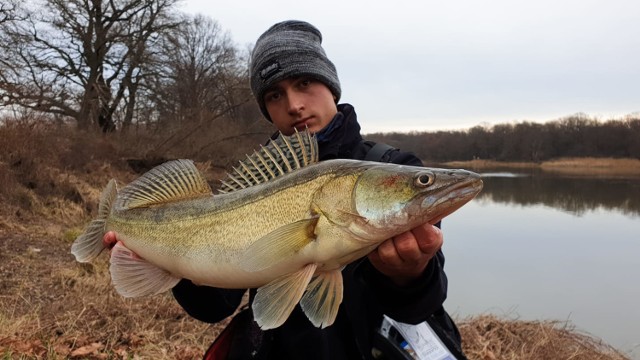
385	255
401	248
429	238
412	246
404	257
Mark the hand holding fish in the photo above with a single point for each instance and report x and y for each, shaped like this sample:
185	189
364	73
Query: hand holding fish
404	257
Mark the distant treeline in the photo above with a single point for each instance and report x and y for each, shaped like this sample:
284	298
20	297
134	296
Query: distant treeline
574	136
564	193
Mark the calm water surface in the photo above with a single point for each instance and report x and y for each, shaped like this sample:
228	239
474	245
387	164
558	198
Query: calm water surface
534	246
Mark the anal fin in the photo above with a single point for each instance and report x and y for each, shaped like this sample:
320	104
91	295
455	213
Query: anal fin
322	299
275	301
133	276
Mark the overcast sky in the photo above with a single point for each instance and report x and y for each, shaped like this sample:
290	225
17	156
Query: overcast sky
425	65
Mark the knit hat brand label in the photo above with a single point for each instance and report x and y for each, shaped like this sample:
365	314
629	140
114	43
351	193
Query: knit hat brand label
268	71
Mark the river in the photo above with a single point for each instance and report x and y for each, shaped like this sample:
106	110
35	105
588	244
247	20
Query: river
535	246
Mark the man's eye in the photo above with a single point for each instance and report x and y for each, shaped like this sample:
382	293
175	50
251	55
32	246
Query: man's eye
305	82
272	96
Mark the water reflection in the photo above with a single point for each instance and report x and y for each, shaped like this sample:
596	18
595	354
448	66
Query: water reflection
574	195
519	249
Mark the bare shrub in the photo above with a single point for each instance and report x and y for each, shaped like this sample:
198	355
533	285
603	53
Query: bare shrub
219	142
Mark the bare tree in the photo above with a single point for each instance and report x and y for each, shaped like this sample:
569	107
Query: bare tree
81	59
200	89
200	74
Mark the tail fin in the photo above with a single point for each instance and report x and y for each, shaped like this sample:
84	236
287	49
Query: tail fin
89	245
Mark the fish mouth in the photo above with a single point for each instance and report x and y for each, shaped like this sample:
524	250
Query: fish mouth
454	198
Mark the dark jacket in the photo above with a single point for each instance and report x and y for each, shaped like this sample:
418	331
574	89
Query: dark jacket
367	293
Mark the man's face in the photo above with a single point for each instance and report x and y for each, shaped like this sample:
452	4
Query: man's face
299	103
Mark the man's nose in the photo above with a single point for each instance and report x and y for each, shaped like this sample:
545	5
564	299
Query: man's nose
296	103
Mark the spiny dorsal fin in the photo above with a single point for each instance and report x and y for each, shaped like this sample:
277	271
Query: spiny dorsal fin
282	155
172	181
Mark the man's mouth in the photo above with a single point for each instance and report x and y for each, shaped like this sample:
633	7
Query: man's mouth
302	124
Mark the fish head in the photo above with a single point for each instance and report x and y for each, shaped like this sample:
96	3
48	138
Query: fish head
394	198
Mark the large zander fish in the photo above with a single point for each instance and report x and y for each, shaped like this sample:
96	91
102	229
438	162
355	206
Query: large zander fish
283	223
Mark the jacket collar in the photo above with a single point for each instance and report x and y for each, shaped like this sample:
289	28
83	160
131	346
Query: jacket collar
341	136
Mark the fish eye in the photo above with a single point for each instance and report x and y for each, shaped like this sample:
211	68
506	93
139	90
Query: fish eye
424	179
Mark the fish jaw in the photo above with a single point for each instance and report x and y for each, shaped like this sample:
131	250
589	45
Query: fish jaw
454	197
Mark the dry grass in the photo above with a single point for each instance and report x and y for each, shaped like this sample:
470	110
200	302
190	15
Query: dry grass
487	337
594	166
56	308
52	307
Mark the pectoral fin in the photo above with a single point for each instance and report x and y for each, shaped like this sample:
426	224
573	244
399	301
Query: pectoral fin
278	245
133	276
323	297
275	301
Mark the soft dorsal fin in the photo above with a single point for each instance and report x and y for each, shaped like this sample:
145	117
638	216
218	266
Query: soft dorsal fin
280	156
172	181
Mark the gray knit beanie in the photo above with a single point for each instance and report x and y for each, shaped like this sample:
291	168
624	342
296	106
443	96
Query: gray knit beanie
287	49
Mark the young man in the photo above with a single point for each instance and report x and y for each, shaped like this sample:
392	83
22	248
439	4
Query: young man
297	87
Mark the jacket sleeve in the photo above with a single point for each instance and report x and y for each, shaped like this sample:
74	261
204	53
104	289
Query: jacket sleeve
207	303
415	302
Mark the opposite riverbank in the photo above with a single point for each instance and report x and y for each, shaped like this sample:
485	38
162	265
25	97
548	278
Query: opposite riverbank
609	167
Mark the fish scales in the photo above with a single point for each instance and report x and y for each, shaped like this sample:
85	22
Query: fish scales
203	237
